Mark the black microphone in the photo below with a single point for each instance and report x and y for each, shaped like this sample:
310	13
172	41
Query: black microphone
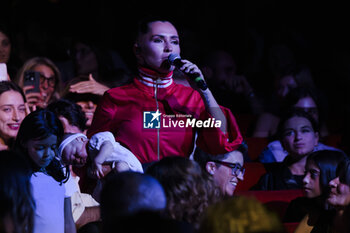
175	59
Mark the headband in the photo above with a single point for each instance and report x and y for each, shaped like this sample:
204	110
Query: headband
69	139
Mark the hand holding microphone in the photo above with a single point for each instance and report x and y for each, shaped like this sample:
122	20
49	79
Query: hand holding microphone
189	69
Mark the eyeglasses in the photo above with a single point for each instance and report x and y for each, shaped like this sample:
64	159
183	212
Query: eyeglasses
237	169
51	81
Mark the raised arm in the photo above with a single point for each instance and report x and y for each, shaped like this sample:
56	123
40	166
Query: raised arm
209	101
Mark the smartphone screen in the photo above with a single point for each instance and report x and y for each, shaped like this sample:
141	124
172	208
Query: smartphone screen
32	78
3	72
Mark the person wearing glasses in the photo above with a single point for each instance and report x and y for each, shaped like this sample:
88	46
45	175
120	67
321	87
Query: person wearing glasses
226	169
50	82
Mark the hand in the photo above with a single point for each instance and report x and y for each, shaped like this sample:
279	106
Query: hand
34	99
97	170
3	147
90	86
121	166
189	68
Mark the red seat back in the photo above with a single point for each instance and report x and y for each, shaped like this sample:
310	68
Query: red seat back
245	122
276	200
333	140
291	226
256	146
253	172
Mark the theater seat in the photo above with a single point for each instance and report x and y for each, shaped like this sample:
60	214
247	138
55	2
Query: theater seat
253	172
276	200
246	123
333	140
256	146
291	226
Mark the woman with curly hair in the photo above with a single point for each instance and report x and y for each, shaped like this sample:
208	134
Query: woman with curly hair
188	189
240	215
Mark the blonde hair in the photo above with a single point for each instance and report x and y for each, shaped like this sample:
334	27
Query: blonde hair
31	64
240	215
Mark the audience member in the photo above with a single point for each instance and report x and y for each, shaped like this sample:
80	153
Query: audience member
98	68
87	101
320	169
85	209
299	76
339	199
5	45
12	112
37	140
104	153
298	133
7	51
89	56
128	193
240	214
302	99
121	109
50	82
189	190
16	200
70	114
232	90
102	149
226	169
267	122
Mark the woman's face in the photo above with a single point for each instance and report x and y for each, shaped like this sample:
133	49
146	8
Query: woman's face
5	48
12	112
42	151
224	177
47	83
153	48
311	180
340	193
298	137
89	109
85	60
308	105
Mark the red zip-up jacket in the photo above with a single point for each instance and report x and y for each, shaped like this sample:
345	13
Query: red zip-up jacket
121	112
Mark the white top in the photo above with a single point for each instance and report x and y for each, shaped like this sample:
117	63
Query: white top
49	197
279	153
120	153
79	200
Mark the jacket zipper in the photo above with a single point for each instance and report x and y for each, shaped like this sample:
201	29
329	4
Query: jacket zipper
156	97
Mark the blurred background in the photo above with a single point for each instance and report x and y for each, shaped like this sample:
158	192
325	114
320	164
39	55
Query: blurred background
311	34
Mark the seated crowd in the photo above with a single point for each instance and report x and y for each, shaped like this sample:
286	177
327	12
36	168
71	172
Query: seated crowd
60	173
